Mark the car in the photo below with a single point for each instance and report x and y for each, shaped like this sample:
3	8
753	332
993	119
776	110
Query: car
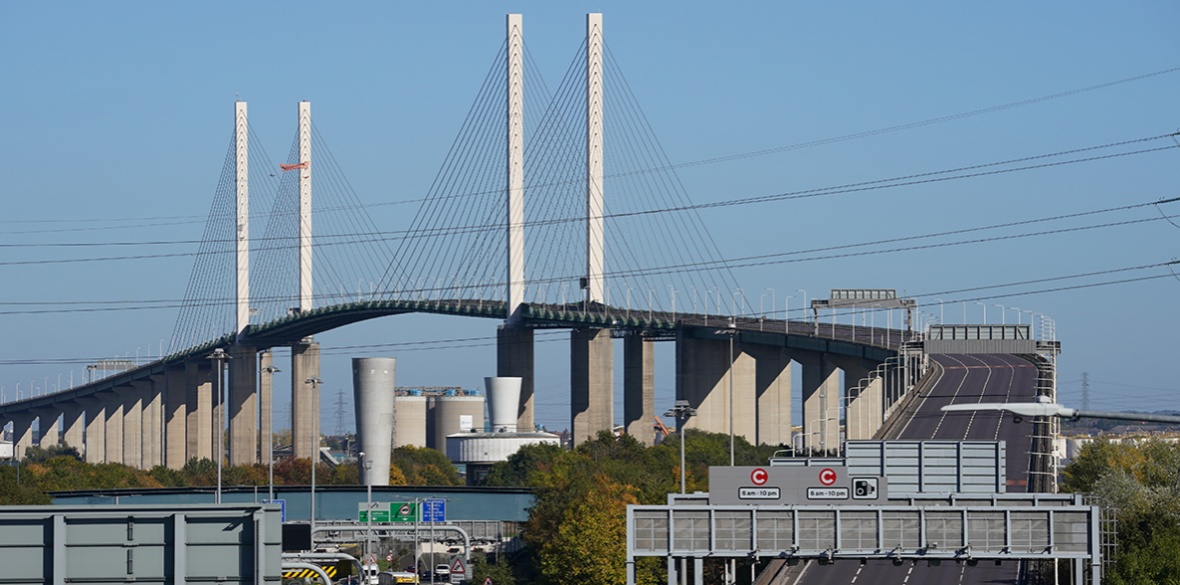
443	572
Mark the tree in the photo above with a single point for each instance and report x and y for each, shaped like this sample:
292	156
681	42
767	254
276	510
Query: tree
1141	484
521	467
36	454
578	530
423	466
500	572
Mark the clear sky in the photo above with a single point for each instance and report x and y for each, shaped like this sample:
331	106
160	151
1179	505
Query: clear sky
114	119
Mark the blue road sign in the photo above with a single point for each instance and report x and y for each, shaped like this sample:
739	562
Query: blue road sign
282	507
434	511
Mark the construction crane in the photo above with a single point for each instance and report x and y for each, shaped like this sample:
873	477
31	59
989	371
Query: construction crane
661	428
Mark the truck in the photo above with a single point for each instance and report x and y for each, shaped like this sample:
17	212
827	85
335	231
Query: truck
396	577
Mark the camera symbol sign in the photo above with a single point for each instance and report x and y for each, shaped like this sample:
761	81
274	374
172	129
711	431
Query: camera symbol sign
759	476
827	476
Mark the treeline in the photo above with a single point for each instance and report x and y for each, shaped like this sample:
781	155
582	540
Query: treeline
60	468
576	530
1139	484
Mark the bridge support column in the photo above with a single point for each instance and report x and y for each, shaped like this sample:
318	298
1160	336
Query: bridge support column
305	402
591	382
198	387
514	358
865	413
96	430
22	434
153	421
132	397
703	378
857	409
113	413
772	387
175	418
243	405
47	429
639	388
821	402
72	426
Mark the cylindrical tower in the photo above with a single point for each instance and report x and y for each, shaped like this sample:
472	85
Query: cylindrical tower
372	385
455	414
409	420
503	402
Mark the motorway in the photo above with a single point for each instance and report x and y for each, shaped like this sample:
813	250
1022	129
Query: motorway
965	379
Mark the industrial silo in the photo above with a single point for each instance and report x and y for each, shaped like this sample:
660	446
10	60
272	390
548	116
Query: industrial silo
409	419
372	386
455	413
503	402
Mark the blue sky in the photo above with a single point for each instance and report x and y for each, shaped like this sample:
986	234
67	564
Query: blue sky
112	112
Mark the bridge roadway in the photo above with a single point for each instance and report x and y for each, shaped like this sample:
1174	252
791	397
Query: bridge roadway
158	412
965	379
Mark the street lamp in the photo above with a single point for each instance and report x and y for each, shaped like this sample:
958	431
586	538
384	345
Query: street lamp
804	293
1044	407
1003	314
681	411
368	464
270	441
218	357
315	444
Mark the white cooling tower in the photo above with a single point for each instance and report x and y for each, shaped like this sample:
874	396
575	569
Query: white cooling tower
503	402
372	386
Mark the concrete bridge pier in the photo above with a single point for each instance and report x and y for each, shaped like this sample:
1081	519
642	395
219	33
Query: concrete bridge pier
72	425
47	428
639	388
704	375
132	397
96	430
149	438
243	405
305	398
514	359
772	387
591	382
22	434
865	413
113	414
198	387
821	402
858	412
175	418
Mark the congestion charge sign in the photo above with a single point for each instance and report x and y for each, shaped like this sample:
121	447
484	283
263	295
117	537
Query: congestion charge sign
793	484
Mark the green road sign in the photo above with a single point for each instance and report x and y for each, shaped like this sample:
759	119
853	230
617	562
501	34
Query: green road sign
378	516
403	511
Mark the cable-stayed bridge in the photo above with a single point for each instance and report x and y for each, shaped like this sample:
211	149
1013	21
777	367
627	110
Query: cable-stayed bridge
552	210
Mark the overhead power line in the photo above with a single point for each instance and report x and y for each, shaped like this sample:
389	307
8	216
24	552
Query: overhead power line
189	219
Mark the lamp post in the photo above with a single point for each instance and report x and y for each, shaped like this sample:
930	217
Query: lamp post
218	357
367	464
681	411
269	450
315	444
804	293
1020	410
1003	314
